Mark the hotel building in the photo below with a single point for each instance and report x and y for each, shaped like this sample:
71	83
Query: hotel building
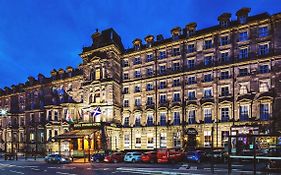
193	89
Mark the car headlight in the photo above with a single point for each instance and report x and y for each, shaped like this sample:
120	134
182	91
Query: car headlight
63	159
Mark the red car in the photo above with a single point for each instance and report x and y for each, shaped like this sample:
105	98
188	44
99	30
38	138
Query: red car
171	155
114	157
149	157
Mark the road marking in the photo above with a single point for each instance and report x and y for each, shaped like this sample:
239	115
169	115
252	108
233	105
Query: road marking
36	169
65	173
16	172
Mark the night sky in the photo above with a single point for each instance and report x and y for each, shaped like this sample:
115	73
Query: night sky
37	36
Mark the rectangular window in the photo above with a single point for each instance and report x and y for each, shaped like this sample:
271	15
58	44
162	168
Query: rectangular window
137	60
263	49
191	95
263	31
208	60
176	51
191	117
191	48
207	115
263	69
243	53
190	63
125	90
149	87
137	102
162	119
224	75
138	120
208	78
137	74
176	97
224	40
162	54
127	141
125	76
244	112
208	93
149	57
224	57
126	121
191	80
149	72
150	140
176	66
243	72
176	82
207	138
176	118
243	36
225	114
149	100
49	115
162	69
208	44
177	139
163	140
125	63
138	141
163	98
264	111
137	88
126	103
162	85
56	115
225	91
149	121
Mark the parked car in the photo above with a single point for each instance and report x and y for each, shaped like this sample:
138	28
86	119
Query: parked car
171	155
149	156
195	156
98	157
114	157
274	164
218	155
132	157
56	158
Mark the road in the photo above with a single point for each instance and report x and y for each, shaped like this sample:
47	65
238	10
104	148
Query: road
31	167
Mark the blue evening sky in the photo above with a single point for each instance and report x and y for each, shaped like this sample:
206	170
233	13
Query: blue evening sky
39	35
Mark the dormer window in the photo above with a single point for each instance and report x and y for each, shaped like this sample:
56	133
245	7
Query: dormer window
224	23
243	19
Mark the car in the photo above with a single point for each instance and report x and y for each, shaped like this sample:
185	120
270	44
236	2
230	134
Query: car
171	155
132	157
149	157
114	157
274	164
56	158
218	155
98	157
195	156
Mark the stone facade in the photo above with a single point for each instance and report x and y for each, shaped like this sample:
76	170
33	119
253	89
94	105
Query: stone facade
216	81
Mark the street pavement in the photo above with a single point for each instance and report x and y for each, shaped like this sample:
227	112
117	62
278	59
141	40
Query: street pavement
32	167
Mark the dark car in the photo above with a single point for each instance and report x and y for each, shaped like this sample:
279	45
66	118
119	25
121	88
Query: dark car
217	155
149	157
274	164
56	158
98	157
114	157
195	156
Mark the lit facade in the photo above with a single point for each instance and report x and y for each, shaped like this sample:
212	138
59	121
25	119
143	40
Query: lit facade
212	82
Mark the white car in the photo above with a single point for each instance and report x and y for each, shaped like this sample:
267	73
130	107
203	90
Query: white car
133	157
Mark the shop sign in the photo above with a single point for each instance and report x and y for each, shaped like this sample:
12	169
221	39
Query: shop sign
191	131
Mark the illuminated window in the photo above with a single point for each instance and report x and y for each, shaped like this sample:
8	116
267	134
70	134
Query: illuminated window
163	140
97	74
127	141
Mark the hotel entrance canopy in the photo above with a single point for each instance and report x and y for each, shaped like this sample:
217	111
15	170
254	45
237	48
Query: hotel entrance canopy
76	134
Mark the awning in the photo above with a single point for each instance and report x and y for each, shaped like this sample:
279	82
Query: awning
76	134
